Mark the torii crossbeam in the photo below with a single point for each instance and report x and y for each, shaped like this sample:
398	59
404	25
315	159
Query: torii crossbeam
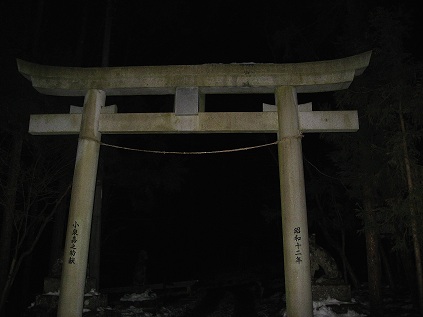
189	83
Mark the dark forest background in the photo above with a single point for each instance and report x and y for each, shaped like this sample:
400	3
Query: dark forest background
210	216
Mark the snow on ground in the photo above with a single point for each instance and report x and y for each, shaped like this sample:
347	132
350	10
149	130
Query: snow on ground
226	307
134	297
228	302
321	309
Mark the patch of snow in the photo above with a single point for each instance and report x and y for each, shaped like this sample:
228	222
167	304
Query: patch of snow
56	293
134	297
323	311
352	313
102	309
133	311
320	309
328	301
92	292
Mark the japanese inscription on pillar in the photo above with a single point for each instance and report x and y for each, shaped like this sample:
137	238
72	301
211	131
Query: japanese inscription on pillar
297	238
72	251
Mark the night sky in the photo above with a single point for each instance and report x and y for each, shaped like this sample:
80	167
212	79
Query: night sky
197	216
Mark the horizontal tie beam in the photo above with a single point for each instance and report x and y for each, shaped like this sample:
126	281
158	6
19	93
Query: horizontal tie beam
204	122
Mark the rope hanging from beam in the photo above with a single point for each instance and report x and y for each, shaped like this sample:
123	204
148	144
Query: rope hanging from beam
194	152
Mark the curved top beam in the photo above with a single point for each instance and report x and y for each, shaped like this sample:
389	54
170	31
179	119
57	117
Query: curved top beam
210	78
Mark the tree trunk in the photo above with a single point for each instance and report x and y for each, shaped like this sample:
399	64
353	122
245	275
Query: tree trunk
10	199
343	256
347	268
373	257
407	263
405	270
413	212
25	286
387	268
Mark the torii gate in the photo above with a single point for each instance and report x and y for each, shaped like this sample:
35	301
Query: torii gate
190	83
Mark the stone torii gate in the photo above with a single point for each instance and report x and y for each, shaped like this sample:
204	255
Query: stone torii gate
190	83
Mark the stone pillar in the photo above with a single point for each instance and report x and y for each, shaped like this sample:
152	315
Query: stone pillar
75	256
294	213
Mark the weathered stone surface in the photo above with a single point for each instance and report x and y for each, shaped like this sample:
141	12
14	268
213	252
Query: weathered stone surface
326	277
75	261
320	259
235	78
204	122
186	101
285	80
